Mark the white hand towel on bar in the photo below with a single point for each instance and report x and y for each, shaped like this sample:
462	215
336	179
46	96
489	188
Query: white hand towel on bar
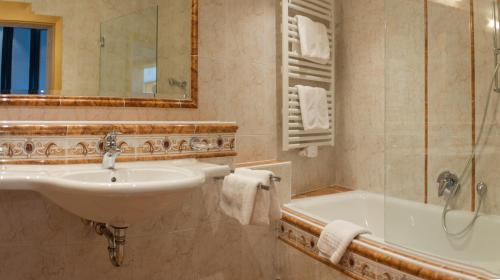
267	206
313	37
313	107
336	237
238	197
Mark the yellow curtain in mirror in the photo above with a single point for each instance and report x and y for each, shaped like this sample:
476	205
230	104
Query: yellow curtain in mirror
15	14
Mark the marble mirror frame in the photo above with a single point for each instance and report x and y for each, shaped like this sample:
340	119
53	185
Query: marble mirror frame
57	100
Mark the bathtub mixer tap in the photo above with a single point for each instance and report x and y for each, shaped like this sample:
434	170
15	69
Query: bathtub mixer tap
448	184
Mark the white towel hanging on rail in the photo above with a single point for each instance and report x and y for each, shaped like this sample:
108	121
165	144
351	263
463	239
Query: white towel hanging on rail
313	108
313	36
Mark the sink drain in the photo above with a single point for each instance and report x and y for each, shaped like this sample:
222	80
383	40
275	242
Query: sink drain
113	179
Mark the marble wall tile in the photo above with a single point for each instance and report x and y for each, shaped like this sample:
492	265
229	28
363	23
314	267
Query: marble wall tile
449	87
450	81
359	149
259	248
295	265
311	174
161	258
85	261
254	148
32	262
404	100
245	18
217	254
488	149
213	20
29	219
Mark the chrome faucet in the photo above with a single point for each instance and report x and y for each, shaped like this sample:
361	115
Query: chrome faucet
199	145
111	150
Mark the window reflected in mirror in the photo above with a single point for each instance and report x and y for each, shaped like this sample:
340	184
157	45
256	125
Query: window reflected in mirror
23	60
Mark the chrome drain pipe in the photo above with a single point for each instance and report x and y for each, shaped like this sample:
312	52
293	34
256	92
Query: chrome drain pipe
116	240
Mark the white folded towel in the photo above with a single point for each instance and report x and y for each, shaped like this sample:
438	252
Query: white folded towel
242	199
336	237
313	107
313	37
267	206
238	197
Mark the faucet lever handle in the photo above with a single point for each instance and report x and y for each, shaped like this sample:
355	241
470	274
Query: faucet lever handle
110	141
448	184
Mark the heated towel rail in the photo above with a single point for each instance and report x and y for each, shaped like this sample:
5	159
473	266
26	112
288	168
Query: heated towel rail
298	71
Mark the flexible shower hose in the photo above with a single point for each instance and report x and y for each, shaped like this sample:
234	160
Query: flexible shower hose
469	162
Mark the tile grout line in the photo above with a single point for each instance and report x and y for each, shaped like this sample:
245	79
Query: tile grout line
426	102
473	103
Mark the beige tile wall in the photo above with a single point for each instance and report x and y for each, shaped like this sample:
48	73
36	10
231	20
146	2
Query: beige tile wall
359	149
450	103
449	87
487	161
405	123
295	265
365	51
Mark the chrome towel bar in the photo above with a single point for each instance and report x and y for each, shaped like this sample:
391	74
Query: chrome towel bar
260	186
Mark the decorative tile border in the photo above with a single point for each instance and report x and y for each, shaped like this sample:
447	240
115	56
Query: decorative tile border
351	264
82	143
364	260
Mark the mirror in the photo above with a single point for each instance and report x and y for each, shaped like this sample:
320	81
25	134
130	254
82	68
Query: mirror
128	58
99	53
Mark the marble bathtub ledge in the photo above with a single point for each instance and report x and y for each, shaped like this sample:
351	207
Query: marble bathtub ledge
302	233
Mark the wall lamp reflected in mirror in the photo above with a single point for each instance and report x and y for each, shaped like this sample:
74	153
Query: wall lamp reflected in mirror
176	83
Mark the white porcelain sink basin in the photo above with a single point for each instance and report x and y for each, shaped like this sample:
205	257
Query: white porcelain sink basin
130	193
128	180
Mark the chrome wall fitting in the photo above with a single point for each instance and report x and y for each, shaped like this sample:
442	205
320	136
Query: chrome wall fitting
481	189
448	184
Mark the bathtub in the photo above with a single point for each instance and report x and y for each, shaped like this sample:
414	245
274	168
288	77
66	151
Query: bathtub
411	227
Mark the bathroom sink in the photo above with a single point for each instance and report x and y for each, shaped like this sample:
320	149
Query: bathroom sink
119	197
128	180
122	196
